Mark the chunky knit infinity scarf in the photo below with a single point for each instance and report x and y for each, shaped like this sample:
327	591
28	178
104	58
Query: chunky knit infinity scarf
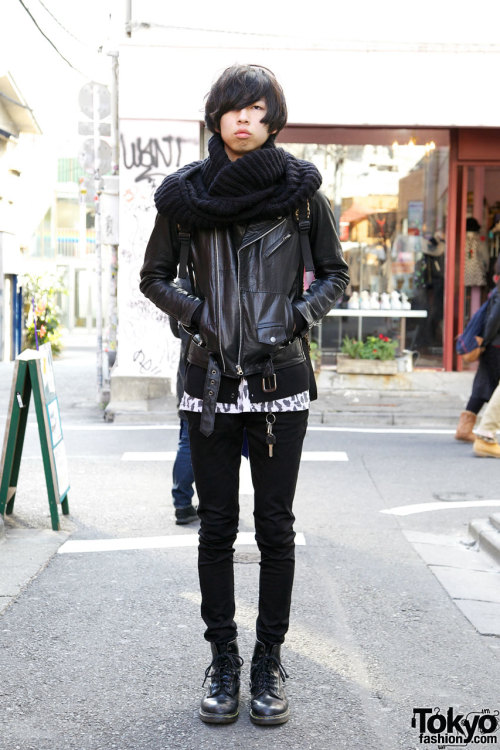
217	192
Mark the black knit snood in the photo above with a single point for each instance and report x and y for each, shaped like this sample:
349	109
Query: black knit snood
217	192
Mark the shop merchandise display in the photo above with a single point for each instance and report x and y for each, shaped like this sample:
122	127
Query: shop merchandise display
374	301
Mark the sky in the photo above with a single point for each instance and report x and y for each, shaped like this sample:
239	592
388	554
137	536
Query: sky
79	29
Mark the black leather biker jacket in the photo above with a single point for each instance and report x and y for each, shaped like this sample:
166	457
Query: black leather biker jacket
249	287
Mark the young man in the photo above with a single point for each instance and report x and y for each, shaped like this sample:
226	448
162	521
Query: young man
246	221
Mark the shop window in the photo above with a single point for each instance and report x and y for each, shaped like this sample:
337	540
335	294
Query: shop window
390	202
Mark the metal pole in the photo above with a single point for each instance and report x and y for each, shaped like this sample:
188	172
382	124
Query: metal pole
128	17
115	169
98	248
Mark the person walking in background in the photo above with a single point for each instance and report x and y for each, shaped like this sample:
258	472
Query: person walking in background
485	442
488	372
182	471
245	222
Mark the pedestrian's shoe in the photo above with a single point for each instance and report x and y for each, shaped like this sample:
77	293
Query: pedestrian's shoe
269	704
221	702
464	428
486	448
185	515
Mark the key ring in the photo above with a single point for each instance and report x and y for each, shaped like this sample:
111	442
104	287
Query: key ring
270	418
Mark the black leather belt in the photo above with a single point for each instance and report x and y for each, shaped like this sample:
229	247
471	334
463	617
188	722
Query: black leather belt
210	393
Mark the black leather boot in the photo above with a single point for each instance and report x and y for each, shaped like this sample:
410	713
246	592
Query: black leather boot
220	704
269	703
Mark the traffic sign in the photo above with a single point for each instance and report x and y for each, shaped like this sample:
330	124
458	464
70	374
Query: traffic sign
86	156
86	100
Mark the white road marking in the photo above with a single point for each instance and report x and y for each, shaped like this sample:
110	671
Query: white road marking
384	430
311	428
408	510
149	456
170	456
153	542
324	456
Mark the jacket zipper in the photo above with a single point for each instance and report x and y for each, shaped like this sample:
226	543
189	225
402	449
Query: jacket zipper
239	368
280	243
219	305
260	236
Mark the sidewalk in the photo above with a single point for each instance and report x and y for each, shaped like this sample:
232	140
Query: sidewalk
423	398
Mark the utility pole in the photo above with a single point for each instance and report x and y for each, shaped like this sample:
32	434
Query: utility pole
115	171
95	158
98	246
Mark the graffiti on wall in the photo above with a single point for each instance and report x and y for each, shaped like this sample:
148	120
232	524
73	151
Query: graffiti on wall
152	158
150	150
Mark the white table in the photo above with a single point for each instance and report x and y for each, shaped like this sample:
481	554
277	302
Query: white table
341	312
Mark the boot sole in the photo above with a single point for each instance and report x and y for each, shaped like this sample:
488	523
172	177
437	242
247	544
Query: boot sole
483	454
270	720
218	719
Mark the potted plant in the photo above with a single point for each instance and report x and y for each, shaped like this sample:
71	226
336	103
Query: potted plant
42	311
374	356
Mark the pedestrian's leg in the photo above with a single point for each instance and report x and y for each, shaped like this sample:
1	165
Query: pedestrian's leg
182	472
216	463
274	478
183	479
490	421
274	481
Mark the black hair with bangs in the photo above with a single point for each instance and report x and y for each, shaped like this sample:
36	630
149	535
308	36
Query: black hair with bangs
241	85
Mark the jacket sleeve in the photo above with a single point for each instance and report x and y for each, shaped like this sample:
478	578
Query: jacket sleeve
492	327
159	271
330	268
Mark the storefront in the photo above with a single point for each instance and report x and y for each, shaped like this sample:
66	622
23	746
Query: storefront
404	200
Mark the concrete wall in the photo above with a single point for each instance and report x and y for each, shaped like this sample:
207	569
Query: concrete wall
426	84
149	151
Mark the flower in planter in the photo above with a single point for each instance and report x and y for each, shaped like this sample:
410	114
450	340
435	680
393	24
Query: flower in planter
374	347
41	309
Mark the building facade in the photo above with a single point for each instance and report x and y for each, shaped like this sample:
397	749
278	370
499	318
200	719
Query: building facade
17	124
405	163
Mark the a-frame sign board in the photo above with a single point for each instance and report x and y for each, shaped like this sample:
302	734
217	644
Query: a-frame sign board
33	373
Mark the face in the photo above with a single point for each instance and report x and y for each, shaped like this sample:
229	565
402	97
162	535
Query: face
242	130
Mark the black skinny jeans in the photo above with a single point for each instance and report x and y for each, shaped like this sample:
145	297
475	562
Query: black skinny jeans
216	462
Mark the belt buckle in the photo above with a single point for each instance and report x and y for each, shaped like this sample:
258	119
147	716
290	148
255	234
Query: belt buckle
271	379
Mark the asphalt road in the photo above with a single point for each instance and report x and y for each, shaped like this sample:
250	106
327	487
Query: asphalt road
104	649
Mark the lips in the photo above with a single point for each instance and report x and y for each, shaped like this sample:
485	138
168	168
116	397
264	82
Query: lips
242	134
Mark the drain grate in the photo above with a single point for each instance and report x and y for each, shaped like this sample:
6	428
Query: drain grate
456	497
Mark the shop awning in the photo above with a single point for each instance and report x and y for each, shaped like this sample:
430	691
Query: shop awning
355	213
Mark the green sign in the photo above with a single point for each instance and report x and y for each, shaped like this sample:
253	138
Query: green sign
33	373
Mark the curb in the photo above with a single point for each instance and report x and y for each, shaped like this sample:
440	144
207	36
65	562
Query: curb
486	531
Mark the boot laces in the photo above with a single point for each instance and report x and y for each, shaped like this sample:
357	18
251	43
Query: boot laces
223	669
263	676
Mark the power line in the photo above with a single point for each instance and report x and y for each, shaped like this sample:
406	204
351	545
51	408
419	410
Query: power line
49	40
85	44
327	44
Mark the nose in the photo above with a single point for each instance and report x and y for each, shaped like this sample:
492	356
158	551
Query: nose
243	115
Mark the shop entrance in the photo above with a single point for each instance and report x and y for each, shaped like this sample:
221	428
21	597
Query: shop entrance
473	229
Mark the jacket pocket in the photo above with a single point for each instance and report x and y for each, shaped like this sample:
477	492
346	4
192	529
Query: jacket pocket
271	334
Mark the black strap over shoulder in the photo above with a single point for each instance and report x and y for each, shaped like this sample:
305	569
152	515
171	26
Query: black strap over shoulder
185	240
303	219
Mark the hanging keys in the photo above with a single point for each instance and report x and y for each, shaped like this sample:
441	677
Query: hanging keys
270	438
